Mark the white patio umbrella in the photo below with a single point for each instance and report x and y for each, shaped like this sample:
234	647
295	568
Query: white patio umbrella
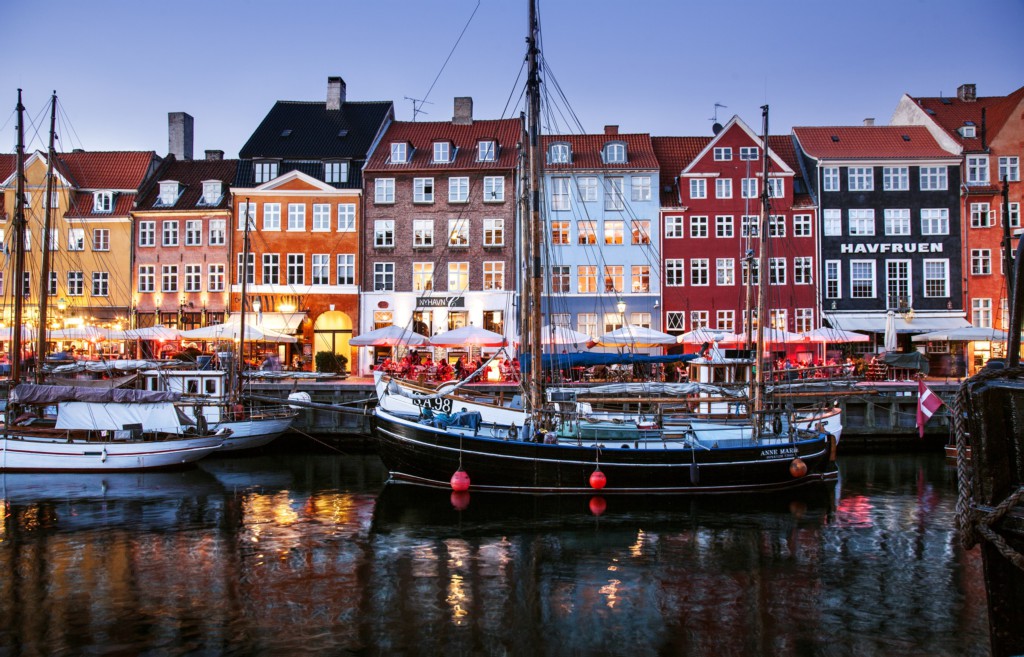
7	333
965	334
231	331
889	340
835	335
90	333
388	336
559	335
703	334
158	332
777	336
636	336
466	336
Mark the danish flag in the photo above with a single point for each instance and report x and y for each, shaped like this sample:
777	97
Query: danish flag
927	403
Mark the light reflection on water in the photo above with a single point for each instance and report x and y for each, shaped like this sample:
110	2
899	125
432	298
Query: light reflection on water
306	554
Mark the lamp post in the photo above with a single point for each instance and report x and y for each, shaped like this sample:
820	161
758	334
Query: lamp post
621	307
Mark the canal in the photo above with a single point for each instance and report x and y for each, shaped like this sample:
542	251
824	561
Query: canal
302	552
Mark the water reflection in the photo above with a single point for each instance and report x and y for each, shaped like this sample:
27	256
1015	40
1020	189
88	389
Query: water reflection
312	554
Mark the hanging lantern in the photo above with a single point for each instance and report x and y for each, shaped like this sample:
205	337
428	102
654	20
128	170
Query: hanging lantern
598	480
797	468
460	481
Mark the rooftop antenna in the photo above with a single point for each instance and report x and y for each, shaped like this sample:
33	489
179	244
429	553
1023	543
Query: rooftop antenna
417	104
716	127
715	117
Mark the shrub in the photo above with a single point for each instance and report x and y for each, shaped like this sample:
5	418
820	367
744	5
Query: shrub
327	361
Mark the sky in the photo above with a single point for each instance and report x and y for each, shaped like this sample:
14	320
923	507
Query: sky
654	66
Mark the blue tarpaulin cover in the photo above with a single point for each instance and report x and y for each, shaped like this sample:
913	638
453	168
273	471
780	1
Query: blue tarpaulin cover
586	359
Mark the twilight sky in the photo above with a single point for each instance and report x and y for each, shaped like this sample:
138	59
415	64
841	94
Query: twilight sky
653	66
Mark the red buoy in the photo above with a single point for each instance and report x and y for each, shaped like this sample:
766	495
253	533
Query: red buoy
797	468
460	500
597	505
460	481
597	480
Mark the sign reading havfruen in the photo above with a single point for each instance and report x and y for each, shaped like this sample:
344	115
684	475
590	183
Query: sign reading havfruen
913	247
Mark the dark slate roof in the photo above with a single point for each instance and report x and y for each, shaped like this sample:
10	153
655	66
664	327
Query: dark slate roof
869	143
298	130
421	135
952	114
191	174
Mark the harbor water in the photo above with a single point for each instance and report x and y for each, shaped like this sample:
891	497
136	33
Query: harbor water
310	553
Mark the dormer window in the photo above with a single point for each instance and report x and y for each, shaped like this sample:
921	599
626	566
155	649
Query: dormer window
968	131
615	153
559	154
169	191
486	151
442	151
265	171
103	201
399	153
336	172
213	192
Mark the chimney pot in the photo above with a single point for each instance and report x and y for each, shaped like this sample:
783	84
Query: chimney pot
463	110
214	155
967	93
611	130
179	135
869	121
335	92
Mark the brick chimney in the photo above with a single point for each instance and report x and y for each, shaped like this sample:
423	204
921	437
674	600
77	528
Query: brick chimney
463	110
214	155
179	135
869	121
967	93
335	92
611	130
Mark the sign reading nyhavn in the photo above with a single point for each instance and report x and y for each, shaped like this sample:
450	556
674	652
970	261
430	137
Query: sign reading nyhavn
440	302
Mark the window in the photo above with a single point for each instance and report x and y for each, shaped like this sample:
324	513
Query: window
458	189
613	278
336	172
802	268
698	227
494	189
193	278
1014	212
860	179
833	280
749	188
169	278
346	217
271	272
967	131
613	232
54	244
250	269
612	322
100	283
748	153
271	216
560	279
673	226
1009	169
246	210
587	323
981	313
586	232
442	152
297	216
101	202
776	271
494	232
675	321
977	169
265	171
28	239
777	225
422	233
559	233
384	233
776	187
399	153
613	195
100	239
641	231
830	179
218	232
194	232
640	188
862	222
147	236
897	221
558	154
346	269
725	271
981	216
933	179
675	273
586	279
749	225
615	153
981	262
804	320
384	190
215	277
170	234
698	188
458	232
935	221
862	279
296	273
560	194
588	188
383	276
725	320
458	276
699	271
321	217
936	278
320	264
486	151
723	153
777	319
642	320
640	279
76	283
147	278
895	179
723	226
494	275
802	225
723	188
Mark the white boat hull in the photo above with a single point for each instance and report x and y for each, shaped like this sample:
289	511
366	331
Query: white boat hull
57	455
254	432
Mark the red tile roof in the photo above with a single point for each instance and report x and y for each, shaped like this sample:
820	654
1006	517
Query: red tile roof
191	174
586	151
869	142
105	169
952	113
81	204
422	135
674	154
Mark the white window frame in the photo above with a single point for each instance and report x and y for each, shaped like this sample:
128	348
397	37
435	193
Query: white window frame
977	170
861	222
346	269
944	264
458	189
486	150
346	217
271	217
897	221
674	228
934	179
494	189
860	179
830	179
698	188
935	221
722	153
384	234
723	188
494	232
399	152
384	191
640	188
321	217
866	292
297	217
895	179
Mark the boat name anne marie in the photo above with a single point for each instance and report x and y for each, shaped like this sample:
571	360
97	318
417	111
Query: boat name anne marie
919	247
777	453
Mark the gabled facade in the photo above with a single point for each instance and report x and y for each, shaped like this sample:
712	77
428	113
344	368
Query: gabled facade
888	198
439	242
299	179
989	134
601	220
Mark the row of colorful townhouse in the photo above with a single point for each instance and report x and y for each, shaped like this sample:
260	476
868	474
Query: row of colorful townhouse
357	221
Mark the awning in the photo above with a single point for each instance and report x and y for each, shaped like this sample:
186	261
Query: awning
275	321
875	323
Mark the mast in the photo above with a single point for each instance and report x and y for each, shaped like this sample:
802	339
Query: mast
18	245
241	313
44	243
1007	240
762	282
535	284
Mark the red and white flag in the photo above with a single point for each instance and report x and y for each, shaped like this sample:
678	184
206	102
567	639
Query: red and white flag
927	403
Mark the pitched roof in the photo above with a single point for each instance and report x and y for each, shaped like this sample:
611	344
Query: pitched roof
869	143
297	130
81	205
105	169
953	113
191	174
673	155
422	135
586	151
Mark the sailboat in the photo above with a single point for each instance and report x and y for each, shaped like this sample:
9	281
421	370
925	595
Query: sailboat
537	444
91	429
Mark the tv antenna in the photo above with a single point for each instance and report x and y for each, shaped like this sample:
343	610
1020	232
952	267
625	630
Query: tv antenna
715	117
417	105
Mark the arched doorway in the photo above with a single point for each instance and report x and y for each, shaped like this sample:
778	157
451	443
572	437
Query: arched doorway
331	332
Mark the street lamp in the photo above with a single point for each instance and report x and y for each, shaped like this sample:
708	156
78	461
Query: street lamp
621	307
